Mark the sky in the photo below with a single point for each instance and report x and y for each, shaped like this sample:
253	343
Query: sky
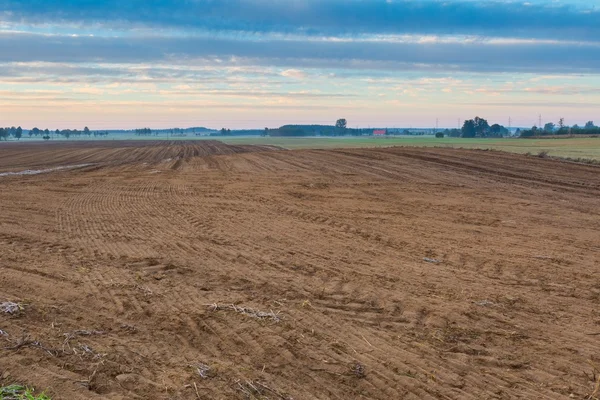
264	63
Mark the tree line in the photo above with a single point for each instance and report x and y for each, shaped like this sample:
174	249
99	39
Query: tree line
46	134
5	133
562	129
475	128
472	128
339	129
143	132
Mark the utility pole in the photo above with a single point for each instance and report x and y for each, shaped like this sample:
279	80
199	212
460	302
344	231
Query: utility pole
540	120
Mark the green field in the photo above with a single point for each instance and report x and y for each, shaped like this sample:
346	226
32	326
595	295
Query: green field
569	147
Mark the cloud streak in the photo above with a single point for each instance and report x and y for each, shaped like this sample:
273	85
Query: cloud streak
554	20
472	56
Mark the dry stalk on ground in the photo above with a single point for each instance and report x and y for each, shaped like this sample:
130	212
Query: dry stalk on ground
26	341
596	377
82	348
11	308
258	390
203	370
273	316
72	335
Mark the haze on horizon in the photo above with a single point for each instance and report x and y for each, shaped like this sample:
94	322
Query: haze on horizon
255	63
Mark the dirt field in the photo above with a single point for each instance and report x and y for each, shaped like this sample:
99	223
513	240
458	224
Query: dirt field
390	273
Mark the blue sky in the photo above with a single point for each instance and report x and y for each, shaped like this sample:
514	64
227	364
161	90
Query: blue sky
256	63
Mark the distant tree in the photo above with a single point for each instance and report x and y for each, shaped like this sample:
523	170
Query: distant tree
66	133
18	133
35	131
468	129
497	130
481	127
86	131
534	131
229	131
46	137
3	133
439	135
589	125
561	123
47	132
340	125
138	132
549	127
454	132
223	131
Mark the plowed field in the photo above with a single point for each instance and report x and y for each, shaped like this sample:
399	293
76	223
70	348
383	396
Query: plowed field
207	271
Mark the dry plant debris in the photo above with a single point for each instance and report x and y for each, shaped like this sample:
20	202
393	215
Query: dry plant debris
273	316
258	390
359	370
11	308
203	370
26	341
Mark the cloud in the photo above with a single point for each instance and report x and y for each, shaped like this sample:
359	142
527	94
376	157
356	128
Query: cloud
129	74
89	90
294	73
547	19
222	93
172	57
530	104
451	57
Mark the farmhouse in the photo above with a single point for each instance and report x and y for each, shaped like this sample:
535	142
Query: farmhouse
379	132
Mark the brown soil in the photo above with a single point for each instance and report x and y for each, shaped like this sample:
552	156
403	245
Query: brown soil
136	249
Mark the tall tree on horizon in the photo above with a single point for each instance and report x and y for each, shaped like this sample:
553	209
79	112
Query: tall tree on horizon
468	129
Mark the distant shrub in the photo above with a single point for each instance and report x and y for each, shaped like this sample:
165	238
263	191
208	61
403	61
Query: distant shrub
439	135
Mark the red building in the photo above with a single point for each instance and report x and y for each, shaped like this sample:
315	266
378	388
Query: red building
379	132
